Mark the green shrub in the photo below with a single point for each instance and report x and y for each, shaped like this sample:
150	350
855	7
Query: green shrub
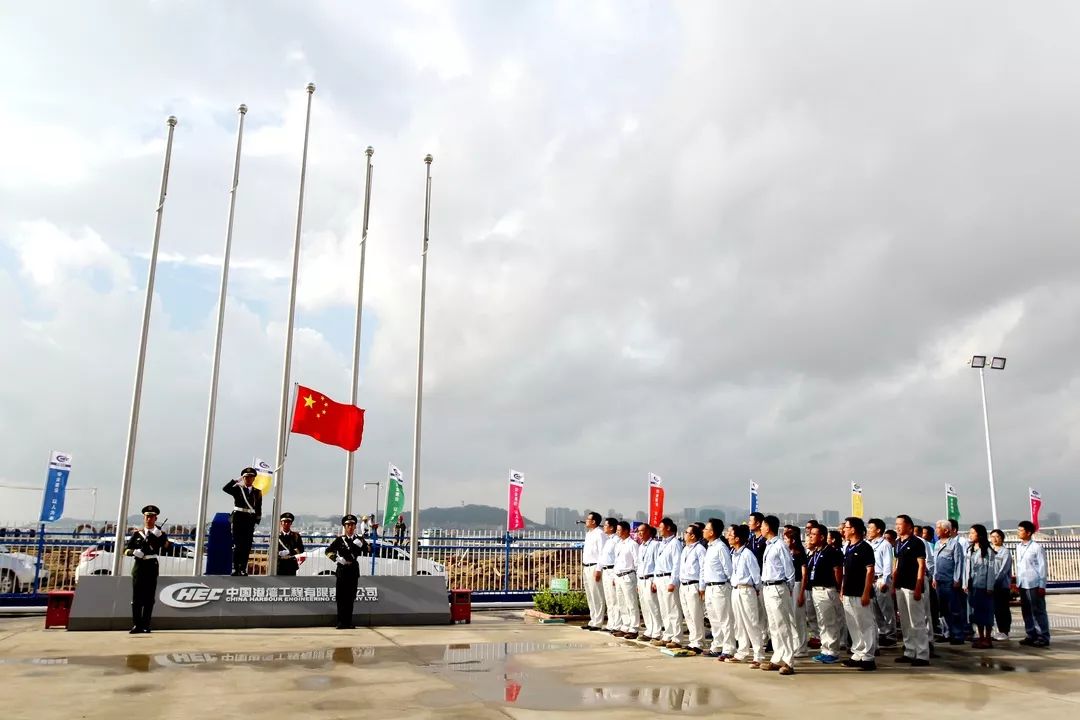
568	603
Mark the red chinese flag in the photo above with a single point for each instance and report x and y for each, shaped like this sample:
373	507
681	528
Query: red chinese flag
327	421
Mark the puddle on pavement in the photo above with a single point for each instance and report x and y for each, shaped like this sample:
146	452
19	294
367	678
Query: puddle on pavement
488	672
492	673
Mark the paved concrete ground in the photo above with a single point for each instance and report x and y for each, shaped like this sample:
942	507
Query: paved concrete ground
496	667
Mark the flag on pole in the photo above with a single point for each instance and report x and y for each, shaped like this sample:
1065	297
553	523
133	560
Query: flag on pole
514	520
1036	504
395	496
656	500
52	502
952	503
753	497
327	421
856	500
264	477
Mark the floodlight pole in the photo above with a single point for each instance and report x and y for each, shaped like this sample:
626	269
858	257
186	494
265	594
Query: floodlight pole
989	456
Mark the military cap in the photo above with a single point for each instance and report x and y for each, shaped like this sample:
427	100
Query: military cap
287	516
348	519
151	510
248	472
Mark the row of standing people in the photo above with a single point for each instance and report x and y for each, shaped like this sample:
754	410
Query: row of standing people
760	587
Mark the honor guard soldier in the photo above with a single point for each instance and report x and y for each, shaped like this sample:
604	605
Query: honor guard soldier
289	546
145	545
246	514
346	550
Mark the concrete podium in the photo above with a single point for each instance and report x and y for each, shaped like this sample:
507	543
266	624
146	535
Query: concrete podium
103	602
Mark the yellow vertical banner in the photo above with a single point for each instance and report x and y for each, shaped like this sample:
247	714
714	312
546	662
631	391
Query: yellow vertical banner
856	500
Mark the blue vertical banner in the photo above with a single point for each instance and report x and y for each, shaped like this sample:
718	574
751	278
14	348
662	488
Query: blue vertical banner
753	497
52	505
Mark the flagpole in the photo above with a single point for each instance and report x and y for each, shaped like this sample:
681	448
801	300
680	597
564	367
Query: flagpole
140	363
414	531
349	457
989	457
283	414
208	443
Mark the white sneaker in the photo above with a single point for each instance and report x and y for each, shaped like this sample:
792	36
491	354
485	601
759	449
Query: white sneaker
999	636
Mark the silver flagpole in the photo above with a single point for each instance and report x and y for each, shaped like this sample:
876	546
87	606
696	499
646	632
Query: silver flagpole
349	459
133	424
208	444
283	416
414	530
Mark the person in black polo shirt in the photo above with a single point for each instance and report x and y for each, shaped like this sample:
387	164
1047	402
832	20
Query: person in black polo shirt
822	577
857	592
908	581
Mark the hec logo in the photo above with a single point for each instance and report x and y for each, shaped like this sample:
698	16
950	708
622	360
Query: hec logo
186	595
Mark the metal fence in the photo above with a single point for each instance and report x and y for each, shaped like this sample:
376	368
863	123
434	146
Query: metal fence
493	565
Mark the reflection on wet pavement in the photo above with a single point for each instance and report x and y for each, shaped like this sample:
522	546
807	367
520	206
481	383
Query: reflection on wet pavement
491	672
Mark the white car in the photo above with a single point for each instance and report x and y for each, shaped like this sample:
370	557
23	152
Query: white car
17	571
179	559
389	560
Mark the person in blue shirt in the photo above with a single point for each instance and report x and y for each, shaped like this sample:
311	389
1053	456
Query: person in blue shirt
1031	578
979	580
948	581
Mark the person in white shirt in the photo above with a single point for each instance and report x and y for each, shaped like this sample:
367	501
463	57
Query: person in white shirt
777	575
717	577
1031	579
646	570
691	588
607	569
592	576
745	583
668	560
626	584
884	600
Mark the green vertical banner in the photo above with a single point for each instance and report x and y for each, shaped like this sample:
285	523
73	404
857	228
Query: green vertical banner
395	497
952	503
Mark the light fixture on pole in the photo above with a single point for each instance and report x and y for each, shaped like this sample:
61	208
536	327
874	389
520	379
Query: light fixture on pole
978	362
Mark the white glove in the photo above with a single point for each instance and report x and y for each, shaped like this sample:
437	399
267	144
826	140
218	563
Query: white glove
138	553
283	554
156	531
342	561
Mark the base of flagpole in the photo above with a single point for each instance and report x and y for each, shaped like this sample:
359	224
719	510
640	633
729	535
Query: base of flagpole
216	602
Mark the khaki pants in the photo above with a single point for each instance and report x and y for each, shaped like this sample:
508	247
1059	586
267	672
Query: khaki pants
611	600
778	609
811	615
694	608
884	613
861	625
830	615
629	608
594	593
744	601
913	624
798	614
721	618
670	610
650	608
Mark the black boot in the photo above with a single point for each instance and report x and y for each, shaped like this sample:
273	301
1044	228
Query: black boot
136	620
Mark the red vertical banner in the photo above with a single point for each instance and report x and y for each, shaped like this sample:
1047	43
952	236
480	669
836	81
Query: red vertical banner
514	520
656	500
1036	504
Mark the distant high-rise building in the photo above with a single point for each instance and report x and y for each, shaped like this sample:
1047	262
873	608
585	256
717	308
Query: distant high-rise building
690	514
710	512
1052	519
561	518
640	516
613	513
831	518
